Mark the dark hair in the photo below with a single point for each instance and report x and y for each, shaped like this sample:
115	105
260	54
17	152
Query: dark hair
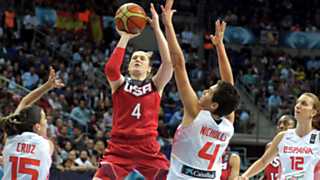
316	122
288	118
22	122
228	98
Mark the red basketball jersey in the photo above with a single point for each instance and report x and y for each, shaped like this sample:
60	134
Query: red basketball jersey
271	172
226	168
136	106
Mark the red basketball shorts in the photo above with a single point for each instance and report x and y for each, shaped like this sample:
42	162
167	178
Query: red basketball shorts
122	157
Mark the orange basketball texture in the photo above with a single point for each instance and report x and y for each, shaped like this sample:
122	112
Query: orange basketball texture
131	18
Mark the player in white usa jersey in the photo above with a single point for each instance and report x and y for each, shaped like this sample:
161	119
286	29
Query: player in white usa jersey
207	124
299	148
27	153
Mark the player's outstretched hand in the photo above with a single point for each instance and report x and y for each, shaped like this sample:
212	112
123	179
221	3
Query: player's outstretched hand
218	37
127	35
167	12
154	21
53	81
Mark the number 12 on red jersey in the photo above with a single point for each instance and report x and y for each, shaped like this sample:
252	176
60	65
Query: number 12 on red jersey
203	153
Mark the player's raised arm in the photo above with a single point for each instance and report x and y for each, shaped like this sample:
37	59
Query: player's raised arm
224	64
262	162
36	94
165	70
112	68
235	166
188	96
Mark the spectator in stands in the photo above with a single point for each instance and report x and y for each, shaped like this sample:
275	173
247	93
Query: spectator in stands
78	137
30	23
174	121
186	39
316	83
77	57
81	113
14	82
30	78
99	147
52	129
244	120
65	150
89	146
62	73
274	102
83	159
54	102
70	164
63	135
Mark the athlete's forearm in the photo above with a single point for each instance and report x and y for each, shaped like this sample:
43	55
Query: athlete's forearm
234	162
123	42
163	46
165	71
112	68
187	94
224	64
175	49
33	96
254	169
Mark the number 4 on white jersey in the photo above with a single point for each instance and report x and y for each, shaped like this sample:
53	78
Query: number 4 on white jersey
136	111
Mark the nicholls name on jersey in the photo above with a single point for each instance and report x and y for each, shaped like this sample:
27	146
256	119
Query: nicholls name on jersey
26	157
299	156
197	149
136	105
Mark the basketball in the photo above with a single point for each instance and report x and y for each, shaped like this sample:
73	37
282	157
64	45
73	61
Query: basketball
131	18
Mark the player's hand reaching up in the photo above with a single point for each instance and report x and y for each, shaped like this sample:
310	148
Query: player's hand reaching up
217	39
167	12
154	21
53	82
127	35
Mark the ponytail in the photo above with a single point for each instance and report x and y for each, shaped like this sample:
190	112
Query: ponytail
316	121
9	124
21	122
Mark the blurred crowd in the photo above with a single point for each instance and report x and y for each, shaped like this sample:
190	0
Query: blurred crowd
275	79
287	15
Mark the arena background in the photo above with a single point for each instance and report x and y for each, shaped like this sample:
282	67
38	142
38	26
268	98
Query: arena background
273	46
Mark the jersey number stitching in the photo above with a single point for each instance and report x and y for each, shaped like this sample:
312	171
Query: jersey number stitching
211	157
22	163
297	163
136	111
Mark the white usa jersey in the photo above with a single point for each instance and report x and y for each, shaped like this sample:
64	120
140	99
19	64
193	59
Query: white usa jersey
299	156
26	157
197	149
